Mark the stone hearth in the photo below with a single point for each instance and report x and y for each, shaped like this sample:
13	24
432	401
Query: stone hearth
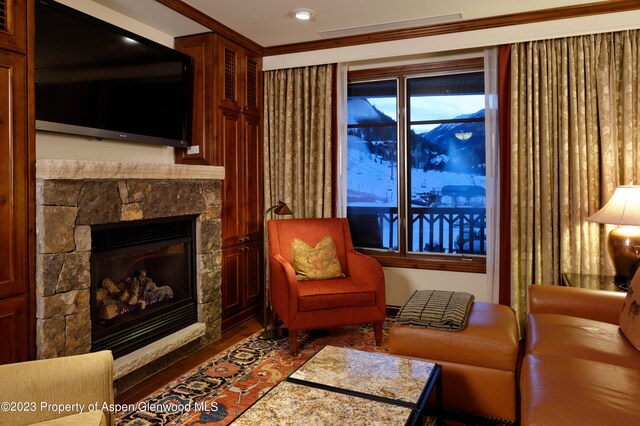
73	195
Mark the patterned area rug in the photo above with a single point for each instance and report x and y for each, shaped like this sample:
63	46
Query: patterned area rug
217	391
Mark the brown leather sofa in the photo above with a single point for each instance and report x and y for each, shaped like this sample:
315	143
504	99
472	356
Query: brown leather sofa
478	362
578	366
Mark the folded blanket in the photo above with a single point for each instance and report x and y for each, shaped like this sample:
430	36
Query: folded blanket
440	310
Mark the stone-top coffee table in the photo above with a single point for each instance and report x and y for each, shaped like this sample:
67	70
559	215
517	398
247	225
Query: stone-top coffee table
342	385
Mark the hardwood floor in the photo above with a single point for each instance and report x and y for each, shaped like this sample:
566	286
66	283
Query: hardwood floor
153	383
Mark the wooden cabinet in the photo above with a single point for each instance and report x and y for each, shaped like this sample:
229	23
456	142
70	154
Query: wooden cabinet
13	25
200	49
227	132
242	278
239	150
13	330
15	327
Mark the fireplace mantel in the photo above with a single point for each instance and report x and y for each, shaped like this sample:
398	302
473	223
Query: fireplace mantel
109	170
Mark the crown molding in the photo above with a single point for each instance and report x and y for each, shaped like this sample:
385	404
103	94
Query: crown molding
215	26
565	12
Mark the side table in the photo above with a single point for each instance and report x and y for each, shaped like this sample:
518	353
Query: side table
596	282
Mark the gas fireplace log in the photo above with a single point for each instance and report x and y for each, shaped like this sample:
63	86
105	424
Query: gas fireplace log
109	309
134	289
135	293
110	286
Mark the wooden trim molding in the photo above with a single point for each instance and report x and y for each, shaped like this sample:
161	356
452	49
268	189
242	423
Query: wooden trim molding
470	264
471	64
551	14
215	26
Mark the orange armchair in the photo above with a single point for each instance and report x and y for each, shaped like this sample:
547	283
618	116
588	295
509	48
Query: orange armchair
358	298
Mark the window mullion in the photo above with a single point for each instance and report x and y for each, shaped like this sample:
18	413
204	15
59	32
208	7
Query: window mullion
403	183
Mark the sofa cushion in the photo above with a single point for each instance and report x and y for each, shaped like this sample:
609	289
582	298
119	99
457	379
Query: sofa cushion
489	340
331	294
315	263
630	315
563	335
571	391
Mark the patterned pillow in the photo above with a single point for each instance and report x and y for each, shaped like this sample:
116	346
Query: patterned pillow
630	315
319	263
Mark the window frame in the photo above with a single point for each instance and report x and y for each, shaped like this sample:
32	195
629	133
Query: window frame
403	258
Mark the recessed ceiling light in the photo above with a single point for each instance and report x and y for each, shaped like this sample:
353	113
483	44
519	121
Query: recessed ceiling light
303	14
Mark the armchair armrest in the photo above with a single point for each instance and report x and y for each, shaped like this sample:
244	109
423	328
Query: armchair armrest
283	277
366	270
577	302
80	381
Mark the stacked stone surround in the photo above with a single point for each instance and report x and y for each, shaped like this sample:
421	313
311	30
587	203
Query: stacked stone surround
72	195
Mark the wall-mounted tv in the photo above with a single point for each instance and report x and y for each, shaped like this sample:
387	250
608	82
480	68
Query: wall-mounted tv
99	80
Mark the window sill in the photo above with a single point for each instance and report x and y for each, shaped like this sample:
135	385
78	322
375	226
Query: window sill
470	264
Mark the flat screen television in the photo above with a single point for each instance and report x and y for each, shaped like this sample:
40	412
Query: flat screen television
99	80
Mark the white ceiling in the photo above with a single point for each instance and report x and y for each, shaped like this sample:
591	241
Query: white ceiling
269	23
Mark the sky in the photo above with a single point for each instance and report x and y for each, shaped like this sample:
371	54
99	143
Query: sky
433	107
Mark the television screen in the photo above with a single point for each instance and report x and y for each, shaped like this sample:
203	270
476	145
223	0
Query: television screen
95	79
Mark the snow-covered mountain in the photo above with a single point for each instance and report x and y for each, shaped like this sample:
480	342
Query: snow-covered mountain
456	147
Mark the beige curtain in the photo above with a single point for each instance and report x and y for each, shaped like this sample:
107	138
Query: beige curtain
574	138
297	139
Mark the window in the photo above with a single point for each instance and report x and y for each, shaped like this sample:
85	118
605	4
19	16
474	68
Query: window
416	167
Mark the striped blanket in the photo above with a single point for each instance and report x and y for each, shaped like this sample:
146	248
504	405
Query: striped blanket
440	310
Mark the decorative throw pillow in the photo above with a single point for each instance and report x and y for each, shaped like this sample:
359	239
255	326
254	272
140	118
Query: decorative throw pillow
319	263
630	315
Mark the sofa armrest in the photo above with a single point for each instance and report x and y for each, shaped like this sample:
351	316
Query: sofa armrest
80	381
577	302
89	418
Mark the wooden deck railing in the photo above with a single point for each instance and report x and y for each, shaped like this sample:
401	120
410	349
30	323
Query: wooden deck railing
431	229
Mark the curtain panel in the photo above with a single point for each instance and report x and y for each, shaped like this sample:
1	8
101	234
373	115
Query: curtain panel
574	138
297	139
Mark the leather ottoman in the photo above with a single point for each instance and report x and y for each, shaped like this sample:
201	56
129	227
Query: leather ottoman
478	363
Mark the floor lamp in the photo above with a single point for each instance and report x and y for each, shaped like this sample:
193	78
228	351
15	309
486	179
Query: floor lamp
280	209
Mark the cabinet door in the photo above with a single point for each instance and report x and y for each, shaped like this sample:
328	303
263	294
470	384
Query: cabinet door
254	274
13	25
229	80
13	176
253	84
200	49
14	330
253	188
242	286
253	146
232	265
232	145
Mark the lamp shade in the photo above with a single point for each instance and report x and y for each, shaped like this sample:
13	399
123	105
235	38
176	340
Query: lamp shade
281	209
622	209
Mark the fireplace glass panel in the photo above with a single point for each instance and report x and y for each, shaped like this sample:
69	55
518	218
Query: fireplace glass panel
142	279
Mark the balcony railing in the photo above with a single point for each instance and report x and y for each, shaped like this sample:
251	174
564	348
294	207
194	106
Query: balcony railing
459	230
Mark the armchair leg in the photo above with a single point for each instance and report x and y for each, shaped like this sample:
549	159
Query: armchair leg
377	331
293	341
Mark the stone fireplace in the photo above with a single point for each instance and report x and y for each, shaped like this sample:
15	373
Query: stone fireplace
78	199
